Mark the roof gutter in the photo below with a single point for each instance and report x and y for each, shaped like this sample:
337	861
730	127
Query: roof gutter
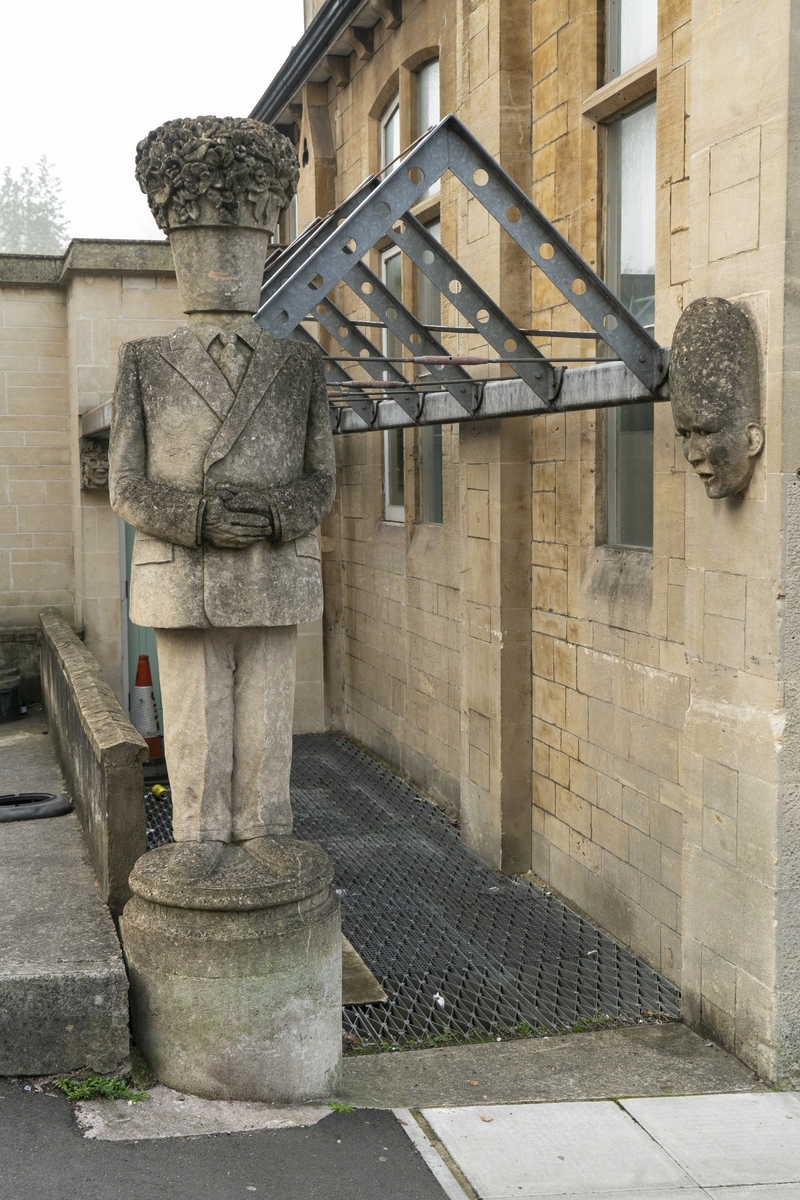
328	25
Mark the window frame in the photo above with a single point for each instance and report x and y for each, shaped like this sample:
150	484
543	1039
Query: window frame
613	432
394	514
391	110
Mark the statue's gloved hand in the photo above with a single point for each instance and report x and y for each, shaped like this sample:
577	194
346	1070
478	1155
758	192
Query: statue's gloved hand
233	529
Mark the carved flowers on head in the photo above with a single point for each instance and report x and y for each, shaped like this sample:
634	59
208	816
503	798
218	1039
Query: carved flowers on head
216	170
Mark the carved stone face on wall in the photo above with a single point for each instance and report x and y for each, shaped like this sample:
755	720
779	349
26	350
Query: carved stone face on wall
714	388
94	463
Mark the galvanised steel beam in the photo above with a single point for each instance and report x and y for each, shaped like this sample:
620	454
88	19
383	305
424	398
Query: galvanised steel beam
604	385
486	317
412	333
328	256
367	410
368	354
563	266
288	303
283	266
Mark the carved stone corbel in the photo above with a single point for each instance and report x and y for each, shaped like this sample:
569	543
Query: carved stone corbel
339	67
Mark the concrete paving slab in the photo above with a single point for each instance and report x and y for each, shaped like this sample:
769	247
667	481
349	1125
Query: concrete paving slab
63	987
769	1191
643	1060
27	760
538	1150
170	1114
721	1141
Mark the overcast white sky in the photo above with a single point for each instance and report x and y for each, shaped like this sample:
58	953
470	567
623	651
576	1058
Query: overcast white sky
84	80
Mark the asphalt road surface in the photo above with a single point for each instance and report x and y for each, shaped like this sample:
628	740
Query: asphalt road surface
347	1156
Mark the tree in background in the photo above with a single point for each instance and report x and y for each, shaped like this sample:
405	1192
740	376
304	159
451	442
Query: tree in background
32	217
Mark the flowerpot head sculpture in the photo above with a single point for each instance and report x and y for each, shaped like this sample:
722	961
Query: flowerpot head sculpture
217	187
714	388
221	458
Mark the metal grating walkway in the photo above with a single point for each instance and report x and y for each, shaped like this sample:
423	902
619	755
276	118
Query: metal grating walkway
462	951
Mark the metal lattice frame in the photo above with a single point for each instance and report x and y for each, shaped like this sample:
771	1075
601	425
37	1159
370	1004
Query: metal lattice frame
299	281
431	920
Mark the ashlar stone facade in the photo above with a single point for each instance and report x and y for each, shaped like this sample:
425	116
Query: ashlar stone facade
618	720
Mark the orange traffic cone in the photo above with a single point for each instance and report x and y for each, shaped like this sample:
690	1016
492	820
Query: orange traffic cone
143	708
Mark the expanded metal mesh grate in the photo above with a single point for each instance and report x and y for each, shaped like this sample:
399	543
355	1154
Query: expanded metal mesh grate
461	950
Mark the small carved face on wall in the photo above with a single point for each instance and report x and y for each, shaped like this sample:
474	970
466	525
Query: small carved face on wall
714	387
94	463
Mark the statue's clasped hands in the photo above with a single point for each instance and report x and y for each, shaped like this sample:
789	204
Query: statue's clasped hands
235	518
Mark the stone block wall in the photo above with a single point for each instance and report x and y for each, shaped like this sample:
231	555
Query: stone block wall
37	456
611	687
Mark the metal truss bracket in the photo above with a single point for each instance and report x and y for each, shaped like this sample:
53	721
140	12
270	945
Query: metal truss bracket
563	266
329	252
369	357
410	331
486	317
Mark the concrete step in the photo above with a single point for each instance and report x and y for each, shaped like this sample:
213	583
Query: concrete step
63	987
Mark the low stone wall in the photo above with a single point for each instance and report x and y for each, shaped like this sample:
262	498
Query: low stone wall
101	755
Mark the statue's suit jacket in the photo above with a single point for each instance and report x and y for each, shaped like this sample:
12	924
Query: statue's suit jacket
178	433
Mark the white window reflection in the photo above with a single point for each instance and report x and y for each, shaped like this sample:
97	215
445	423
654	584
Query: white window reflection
394	487
430	313
390	133
631	275
632	34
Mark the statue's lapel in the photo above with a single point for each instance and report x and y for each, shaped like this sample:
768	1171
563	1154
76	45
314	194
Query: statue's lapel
269	356
195	364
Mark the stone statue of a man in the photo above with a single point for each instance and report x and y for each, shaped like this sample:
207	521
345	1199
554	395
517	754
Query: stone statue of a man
714	389
221	457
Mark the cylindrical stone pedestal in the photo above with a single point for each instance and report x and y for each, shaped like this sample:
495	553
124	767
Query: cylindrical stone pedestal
236	978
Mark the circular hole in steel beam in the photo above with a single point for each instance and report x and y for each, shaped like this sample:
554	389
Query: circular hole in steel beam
510	345
415	339
399	228
428	257
366	288
343	331
416	175
363	353
610	321
480	177
382	209
513	215
282	317
391	313
454	286
350	246
546	250
482	316
579	287
316	283
322	309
